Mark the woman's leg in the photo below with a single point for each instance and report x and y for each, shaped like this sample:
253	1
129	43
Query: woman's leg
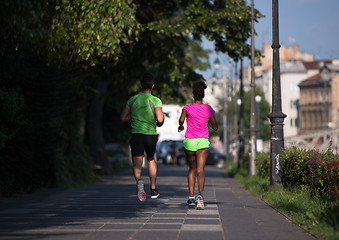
201	156
191	171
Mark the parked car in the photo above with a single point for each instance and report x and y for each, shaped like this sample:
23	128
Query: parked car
163	148
214	158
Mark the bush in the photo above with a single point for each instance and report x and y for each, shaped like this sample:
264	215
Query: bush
11	106
313	170
233	170
42	141
263	164
309	169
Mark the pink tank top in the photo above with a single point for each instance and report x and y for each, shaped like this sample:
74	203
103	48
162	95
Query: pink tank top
198	116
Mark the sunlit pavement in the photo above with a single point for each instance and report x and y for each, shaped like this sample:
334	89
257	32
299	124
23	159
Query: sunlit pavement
110	210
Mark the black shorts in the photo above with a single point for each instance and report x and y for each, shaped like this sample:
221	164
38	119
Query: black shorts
141	143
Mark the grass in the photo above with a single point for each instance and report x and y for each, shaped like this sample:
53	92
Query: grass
314	214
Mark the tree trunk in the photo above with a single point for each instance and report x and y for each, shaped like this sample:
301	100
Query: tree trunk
94	129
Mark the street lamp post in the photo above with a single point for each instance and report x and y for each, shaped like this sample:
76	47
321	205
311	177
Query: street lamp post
276	116
252	130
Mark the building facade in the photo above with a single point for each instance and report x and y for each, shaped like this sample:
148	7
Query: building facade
291	74
319	100
295	67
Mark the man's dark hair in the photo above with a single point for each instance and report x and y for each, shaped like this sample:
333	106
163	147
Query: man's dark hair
147	81
199	90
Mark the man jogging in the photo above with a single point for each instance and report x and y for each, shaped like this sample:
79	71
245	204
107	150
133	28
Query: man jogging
144	111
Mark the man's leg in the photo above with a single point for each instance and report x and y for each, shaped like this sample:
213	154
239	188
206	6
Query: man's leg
152	171
137	148
137	167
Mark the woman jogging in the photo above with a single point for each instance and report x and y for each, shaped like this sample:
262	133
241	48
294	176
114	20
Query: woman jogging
196	143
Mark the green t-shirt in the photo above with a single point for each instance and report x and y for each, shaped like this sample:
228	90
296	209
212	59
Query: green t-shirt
142	107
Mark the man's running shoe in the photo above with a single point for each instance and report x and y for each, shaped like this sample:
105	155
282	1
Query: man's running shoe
200	202
141	191
154	193
191	200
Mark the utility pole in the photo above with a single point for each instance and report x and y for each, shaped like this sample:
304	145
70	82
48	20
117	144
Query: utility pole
241	119
252	130
224	116
276	116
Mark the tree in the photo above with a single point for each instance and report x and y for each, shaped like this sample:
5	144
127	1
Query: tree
168	49
53	54
93	34
172	29
92	31
61	58
168	29
226	22
264	110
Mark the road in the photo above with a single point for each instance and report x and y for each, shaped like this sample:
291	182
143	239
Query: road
110	210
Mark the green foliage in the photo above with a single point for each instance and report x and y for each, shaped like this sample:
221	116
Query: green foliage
225	22
264	109
75	166
196	57
234	171
255	184
317	215
246	159
263	164
24	22
311	170
231	169
11	105
315	171
42	152
53	53
94	31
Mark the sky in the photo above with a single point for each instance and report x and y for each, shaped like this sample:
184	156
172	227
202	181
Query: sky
311	24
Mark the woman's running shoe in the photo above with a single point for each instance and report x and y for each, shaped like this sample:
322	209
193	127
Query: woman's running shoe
200	202
191	200
154	193
141	191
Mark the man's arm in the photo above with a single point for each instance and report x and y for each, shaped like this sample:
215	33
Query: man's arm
160	118
125	115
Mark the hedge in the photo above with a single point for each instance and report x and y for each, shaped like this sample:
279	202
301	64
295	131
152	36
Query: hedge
310	169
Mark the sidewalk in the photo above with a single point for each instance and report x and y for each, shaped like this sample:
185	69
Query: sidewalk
110	210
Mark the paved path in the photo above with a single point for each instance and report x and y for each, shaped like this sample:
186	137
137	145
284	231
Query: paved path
110	210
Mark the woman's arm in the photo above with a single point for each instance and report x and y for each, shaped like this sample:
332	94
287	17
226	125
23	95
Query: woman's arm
213	123
182	120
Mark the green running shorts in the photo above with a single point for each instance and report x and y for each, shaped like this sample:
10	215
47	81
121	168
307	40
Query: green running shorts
194	144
